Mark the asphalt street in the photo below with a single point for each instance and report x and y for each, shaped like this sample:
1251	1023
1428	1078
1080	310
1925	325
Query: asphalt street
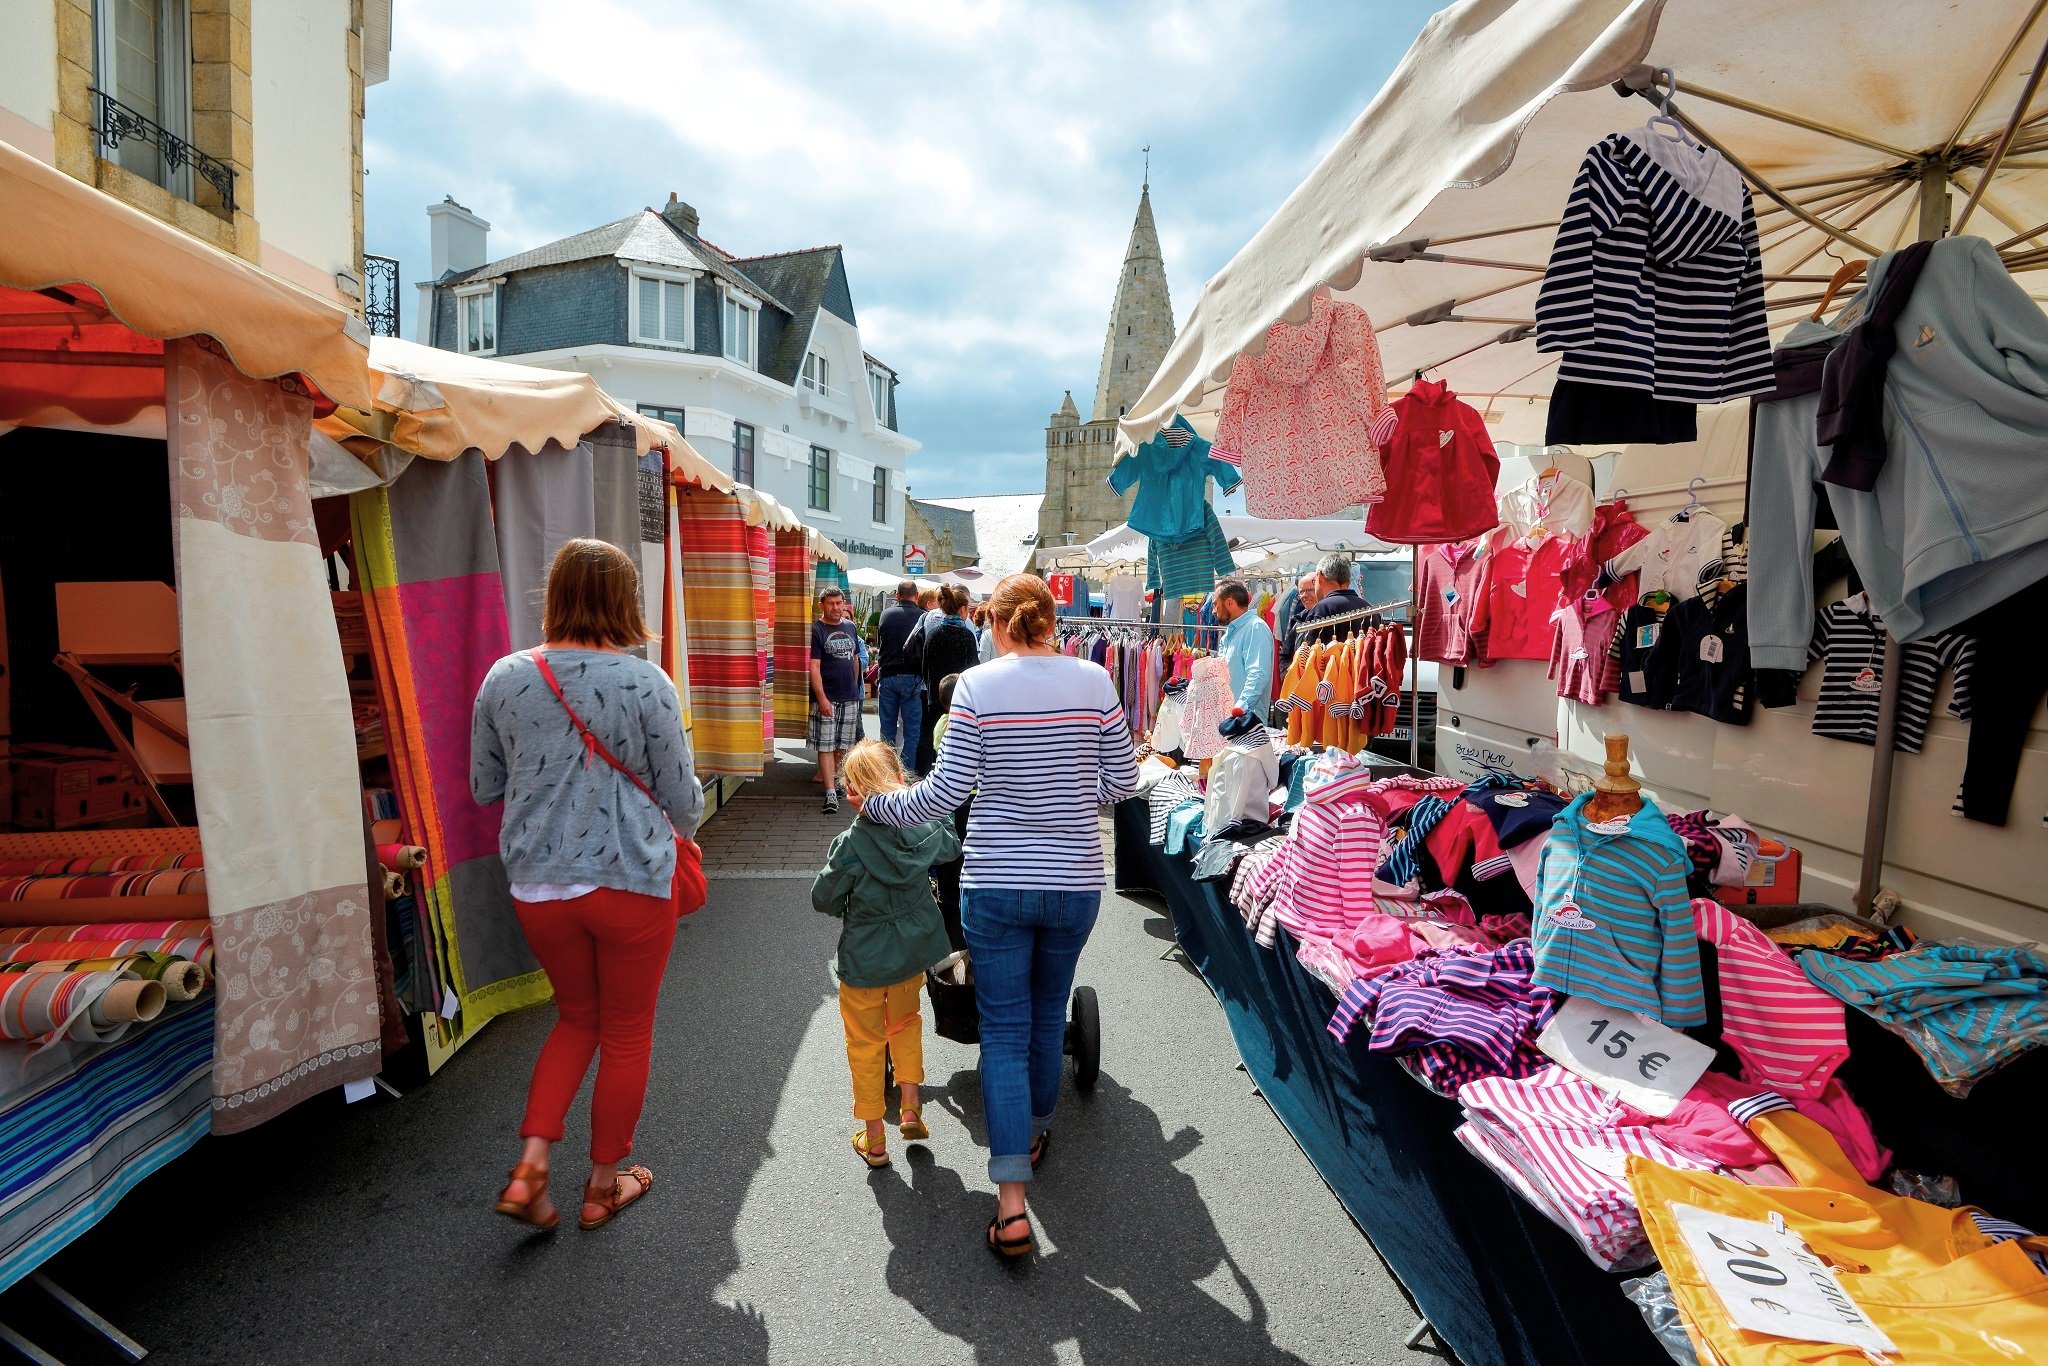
1178	1222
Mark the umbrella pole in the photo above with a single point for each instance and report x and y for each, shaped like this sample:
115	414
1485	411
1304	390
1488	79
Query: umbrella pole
1934	207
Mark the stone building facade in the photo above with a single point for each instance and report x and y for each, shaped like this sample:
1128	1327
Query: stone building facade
1078	499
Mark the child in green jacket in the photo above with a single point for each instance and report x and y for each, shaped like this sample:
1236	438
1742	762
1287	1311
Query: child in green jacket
877	880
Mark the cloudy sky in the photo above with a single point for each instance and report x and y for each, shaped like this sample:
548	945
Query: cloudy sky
979	159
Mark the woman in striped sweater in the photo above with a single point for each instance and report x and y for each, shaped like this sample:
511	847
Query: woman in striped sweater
1040	742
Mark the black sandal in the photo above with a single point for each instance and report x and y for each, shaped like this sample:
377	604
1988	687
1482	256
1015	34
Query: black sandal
1039	1147
1010	1247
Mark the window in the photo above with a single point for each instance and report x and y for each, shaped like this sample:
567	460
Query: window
661	309
821	479
476	320
672	416
817	375
739	330
743	453
145	62
878	390
881	496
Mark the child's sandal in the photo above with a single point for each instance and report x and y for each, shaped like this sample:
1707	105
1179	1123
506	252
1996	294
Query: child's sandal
911	1124
876	1159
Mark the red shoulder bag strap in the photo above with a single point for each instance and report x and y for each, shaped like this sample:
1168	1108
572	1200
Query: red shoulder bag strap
591	742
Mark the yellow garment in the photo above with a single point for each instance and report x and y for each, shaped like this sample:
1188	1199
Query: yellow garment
1936	1285
1300	695
882	1025
1822	937
1340	686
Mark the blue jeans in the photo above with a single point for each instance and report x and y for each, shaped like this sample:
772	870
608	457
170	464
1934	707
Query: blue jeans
1024	945
900	700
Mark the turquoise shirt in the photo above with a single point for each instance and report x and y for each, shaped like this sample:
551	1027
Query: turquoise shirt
1172	473
1248	646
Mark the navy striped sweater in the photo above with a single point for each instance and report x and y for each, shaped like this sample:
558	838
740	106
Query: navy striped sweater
1039	742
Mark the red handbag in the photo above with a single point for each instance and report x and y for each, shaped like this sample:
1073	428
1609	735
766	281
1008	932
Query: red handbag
688	887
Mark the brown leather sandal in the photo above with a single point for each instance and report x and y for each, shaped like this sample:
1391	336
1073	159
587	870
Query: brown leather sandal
611	1201
1022	1245
536	1179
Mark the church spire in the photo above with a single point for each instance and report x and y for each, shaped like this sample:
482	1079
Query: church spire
1140	320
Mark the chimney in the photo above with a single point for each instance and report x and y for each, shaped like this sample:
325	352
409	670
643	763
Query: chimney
680	214
460	239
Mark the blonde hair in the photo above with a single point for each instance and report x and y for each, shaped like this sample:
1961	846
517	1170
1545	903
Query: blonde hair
928	598
593	597
1022	605
871	767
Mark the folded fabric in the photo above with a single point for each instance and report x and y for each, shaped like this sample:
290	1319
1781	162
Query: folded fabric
1967	1009
1931	1279
1458	1016
110	863
1167	796
1563	1143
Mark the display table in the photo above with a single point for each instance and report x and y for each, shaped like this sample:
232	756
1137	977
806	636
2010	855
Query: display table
1497	1281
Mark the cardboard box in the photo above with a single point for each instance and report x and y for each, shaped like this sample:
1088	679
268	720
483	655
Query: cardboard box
60	787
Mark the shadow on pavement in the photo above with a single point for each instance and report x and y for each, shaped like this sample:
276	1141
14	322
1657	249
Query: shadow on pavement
1125	1240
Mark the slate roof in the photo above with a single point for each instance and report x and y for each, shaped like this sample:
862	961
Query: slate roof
953	521
1005	527
643	236
802	277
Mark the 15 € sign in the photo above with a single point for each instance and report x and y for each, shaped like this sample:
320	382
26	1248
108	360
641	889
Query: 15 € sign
1638	1060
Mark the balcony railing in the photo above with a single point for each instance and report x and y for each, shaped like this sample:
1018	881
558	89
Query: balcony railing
119	124
380	295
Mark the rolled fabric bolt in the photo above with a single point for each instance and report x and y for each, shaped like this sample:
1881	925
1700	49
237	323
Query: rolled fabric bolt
183	979
404	857
394	884
384	832
130	1001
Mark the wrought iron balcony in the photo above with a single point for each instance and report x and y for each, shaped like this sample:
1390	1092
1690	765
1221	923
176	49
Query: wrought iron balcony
380	295
119	124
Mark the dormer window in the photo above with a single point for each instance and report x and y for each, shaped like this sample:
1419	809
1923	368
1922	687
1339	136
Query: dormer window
817	375
476	320
740	328
662	308
878	392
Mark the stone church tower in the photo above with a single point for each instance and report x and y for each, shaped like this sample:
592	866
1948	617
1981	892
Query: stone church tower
1078	454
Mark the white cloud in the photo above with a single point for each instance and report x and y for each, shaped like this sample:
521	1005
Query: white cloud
979	160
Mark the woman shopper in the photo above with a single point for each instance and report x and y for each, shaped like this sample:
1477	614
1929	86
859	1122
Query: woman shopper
1039	740
949	648
591	852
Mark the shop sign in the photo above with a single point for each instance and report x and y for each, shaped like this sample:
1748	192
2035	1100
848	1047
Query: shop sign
914	559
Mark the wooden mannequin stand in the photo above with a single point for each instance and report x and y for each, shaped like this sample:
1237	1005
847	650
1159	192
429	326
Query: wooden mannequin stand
1616	794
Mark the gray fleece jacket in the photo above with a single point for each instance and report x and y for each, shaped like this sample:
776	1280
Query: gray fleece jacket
1958	521
569	816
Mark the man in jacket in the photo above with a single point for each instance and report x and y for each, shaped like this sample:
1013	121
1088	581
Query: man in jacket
900	695
1333	598
1247	645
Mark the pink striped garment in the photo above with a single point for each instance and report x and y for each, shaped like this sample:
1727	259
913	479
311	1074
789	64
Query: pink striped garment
1788	1032
1564	1145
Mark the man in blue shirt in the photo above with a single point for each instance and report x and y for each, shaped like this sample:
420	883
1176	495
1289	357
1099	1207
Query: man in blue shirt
1247	645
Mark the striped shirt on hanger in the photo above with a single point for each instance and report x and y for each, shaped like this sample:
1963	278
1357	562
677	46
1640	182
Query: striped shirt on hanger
1040	743
1655	280
1849	637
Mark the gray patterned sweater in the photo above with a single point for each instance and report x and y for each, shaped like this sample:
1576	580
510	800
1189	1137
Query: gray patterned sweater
569	816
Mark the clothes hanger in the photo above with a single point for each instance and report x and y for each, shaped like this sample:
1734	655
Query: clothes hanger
1844	273
1692	498
1664	122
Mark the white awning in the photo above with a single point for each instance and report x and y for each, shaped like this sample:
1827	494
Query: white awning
1435	212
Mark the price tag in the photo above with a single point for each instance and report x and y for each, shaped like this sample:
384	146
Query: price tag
1625	1055
1769	1281
1646	636
362	1088
1711	649
451	1006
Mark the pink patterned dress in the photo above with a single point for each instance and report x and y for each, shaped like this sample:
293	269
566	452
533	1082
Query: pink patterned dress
1306	418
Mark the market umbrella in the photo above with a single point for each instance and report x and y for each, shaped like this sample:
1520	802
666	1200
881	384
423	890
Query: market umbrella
1860	125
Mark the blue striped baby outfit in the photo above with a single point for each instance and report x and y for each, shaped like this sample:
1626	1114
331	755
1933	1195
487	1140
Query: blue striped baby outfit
1614	920
1966	1008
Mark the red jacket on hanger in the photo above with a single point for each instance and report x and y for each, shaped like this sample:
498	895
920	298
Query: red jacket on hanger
1440	468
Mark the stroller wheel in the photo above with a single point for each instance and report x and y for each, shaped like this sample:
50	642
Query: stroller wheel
1084	1037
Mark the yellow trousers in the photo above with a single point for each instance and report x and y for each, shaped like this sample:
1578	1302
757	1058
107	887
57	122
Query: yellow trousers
882	1023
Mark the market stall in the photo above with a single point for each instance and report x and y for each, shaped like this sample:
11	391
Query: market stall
1672	274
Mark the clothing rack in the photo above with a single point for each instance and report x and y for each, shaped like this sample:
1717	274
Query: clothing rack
1346	618
1084	623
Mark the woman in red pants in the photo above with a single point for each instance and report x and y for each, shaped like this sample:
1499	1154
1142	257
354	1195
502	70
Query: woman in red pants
584	745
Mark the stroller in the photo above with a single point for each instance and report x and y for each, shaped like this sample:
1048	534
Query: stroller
953	1011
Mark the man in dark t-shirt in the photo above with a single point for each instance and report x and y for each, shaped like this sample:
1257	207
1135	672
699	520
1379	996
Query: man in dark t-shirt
899	697
835	689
